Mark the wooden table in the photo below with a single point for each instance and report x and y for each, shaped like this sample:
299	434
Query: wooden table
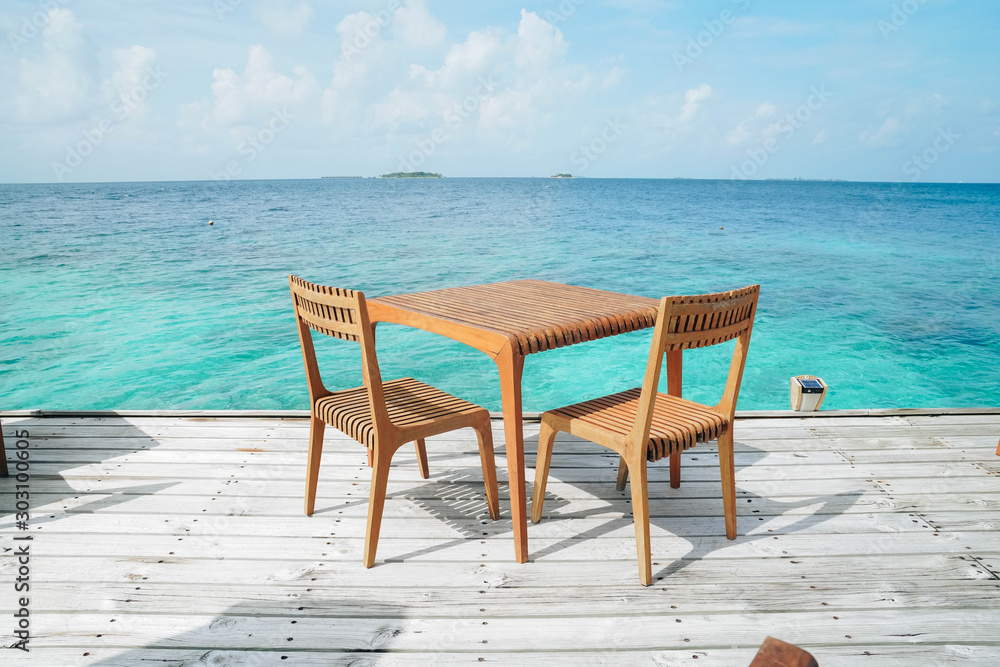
509	321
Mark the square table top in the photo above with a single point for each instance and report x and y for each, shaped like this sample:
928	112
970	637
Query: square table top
540	315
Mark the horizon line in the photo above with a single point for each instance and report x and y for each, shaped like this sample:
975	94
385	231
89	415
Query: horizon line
588	178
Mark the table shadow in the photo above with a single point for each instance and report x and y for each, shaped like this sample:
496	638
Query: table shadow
747	456
55	489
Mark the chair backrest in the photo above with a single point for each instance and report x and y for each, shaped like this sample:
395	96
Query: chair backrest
686	322
343	314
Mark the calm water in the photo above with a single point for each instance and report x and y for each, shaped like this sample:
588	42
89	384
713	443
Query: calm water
121	295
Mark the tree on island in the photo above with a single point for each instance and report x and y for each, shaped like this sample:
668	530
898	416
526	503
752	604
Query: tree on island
411	174
562	176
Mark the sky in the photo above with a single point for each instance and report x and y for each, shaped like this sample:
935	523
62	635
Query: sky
866	90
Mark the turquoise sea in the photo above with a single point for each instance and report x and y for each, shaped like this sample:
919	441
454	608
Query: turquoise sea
121	296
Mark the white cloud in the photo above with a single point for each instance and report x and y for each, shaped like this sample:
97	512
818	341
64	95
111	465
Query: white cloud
479	52
415	26
510	85
258	90
63	82
538	42
886	135
613	77
283	18
766	110
363	50
692	100
134	66
819	138
738	135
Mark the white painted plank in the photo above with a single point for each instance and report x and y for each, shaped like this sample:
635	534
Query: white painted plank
862	627
482	575
495	544
469	520
433	602
760	471
231	500
894	655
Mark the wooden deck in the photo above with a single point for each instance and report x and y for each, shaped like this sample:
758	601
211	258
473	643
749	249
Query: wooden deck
181	541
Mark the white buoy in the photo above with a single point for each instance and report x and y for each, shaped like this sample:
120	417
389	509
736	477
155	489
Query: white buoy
211	222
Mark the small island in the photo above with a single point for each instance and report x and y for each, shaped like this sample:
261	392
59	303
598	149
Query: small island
411	174
561	176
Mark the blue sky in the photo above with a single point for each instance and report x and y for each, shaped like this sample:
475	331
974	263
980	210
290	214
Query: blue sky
880	90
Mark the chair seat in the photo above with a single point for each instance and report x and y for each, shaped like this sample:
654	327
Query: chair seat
410	403
677	423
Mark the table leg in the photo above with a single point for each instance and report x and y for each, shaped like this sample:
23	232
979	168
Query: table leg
510	364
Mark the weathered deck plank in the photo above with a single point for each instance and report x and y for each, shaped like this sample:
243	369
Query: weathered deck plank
171	541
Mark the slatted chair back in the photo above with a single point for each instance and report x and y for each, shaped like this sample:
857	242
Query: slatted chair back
339	313
687	322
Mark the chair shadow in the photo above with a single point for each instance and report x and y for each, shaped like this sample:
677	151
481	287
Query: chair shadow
455	498
51	463
357	626
701	549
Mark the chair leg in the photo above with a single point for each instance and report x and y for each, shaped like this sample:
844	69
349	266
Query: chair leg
316	429
422	458
640	516
371	457
546	437
485	435
4	472
675	468
622	473
728	482
376	502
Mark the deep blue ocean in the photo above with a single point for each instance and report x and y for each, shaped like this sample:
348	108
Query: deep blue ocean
121	296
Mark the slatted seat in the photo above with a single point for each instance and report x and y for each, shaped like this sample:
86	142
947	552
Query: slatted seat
408	402
645	425
677	424
381	416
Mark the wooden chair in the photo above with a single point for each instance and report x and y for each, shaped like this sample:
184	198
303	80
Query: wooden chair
644	425
381	416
